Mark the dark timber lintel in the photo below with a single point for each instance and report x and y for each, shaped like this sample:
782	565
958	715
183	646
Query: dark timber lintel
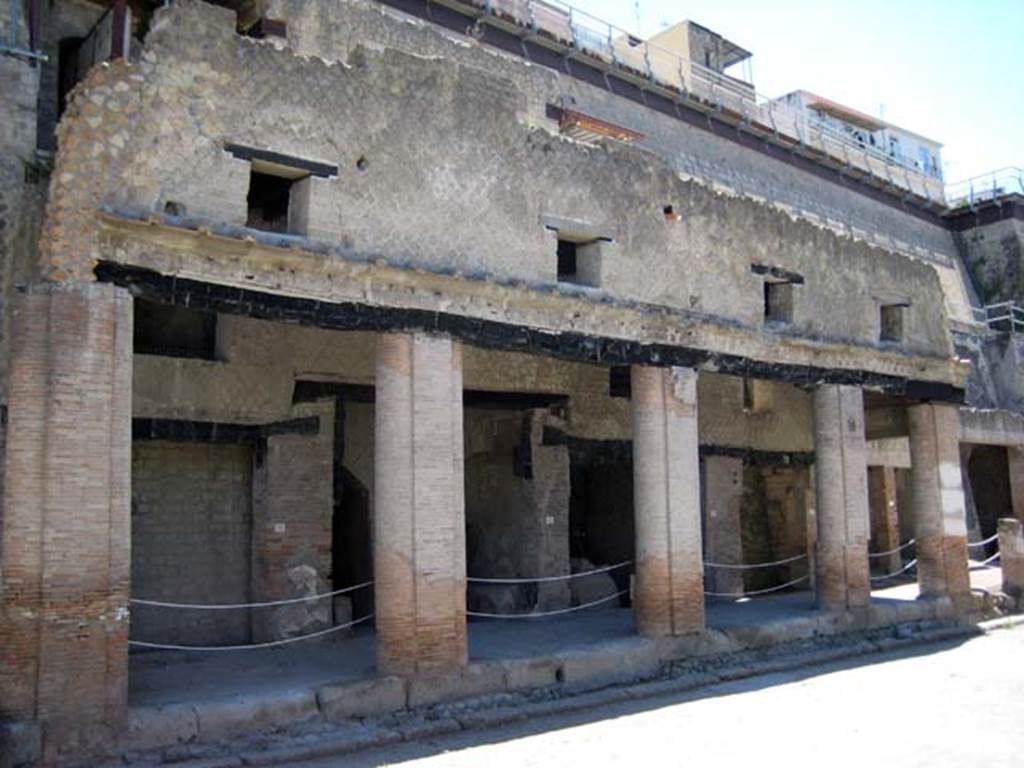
310	166
493	334
307	391
182	431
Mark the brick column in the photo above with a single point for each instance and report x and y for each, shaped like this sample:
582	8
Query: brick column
885	521
419	525
1011	557
1015	468
940	525
669	594
840	471
66	521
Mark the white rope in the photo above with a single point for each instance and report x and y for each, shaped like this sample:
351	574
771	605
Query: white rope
551	578
982	543
233	606
900	548
757	591
748	566
542	614
253	646
986	562
904	569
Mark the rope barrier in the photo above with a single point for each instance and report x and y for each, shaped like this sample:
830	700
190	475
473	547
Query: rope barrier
758	591
904	569
542	614
982	543
552	578
748	566
234	606
252	646
900	548
986	563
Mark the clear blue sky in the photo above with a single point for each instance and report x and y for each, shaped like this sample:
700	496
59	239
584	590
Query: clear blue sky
952	71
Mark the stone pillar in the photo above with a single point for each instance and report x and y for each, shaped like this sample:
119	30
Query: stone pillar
840	453
1015	469
723	492
66	534
885	521
669	594
419	528
940	526
1011	557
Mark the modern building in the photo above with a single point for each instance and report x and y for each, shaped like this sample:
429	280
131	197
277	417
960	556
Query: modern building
909	150
351	333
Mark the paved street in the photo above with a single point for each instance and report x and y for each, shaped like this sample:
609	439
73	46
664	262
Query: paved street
945	705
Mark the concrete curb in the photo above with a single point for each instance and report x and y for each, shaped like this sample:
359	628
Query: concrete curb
366	737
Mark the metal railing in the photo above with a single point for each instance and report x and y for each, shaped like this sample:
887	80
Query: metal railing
12	46
1006	316
988	186
554	23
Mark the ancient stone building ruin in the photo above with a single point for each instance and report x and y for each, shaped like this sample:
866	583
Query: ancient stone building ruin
400	296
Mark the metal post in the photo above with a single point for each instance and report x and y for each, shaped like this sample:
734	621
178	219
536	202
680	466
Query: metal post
13	35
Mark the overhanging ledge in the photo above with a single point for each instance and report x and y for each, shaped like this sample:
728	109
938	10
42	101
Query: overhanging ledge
493	334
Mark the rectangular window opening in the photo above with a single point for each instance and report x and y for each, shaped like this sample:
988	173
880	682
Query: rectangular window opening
170	331
891	322
567	264
778	302
277	202
579	261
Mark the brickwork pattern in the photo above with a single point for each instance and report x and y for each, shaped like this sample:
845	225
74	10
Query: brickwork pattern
292	524
669	592
841	557
64	623
940	518
419	526
1011	556
191	540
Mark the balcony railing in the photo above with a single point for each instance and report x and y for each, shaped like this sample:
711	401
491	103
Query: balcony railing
1006	316
556	24
987	187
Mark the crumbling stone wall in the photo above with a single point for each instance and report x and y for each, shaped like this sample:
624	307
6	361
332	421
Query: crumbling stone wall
334	30
193	100
994	254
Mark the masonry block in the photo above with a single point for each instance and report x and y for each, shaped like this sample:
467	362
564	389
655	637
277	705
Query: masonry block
379	696
669	594
419	531
66	521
